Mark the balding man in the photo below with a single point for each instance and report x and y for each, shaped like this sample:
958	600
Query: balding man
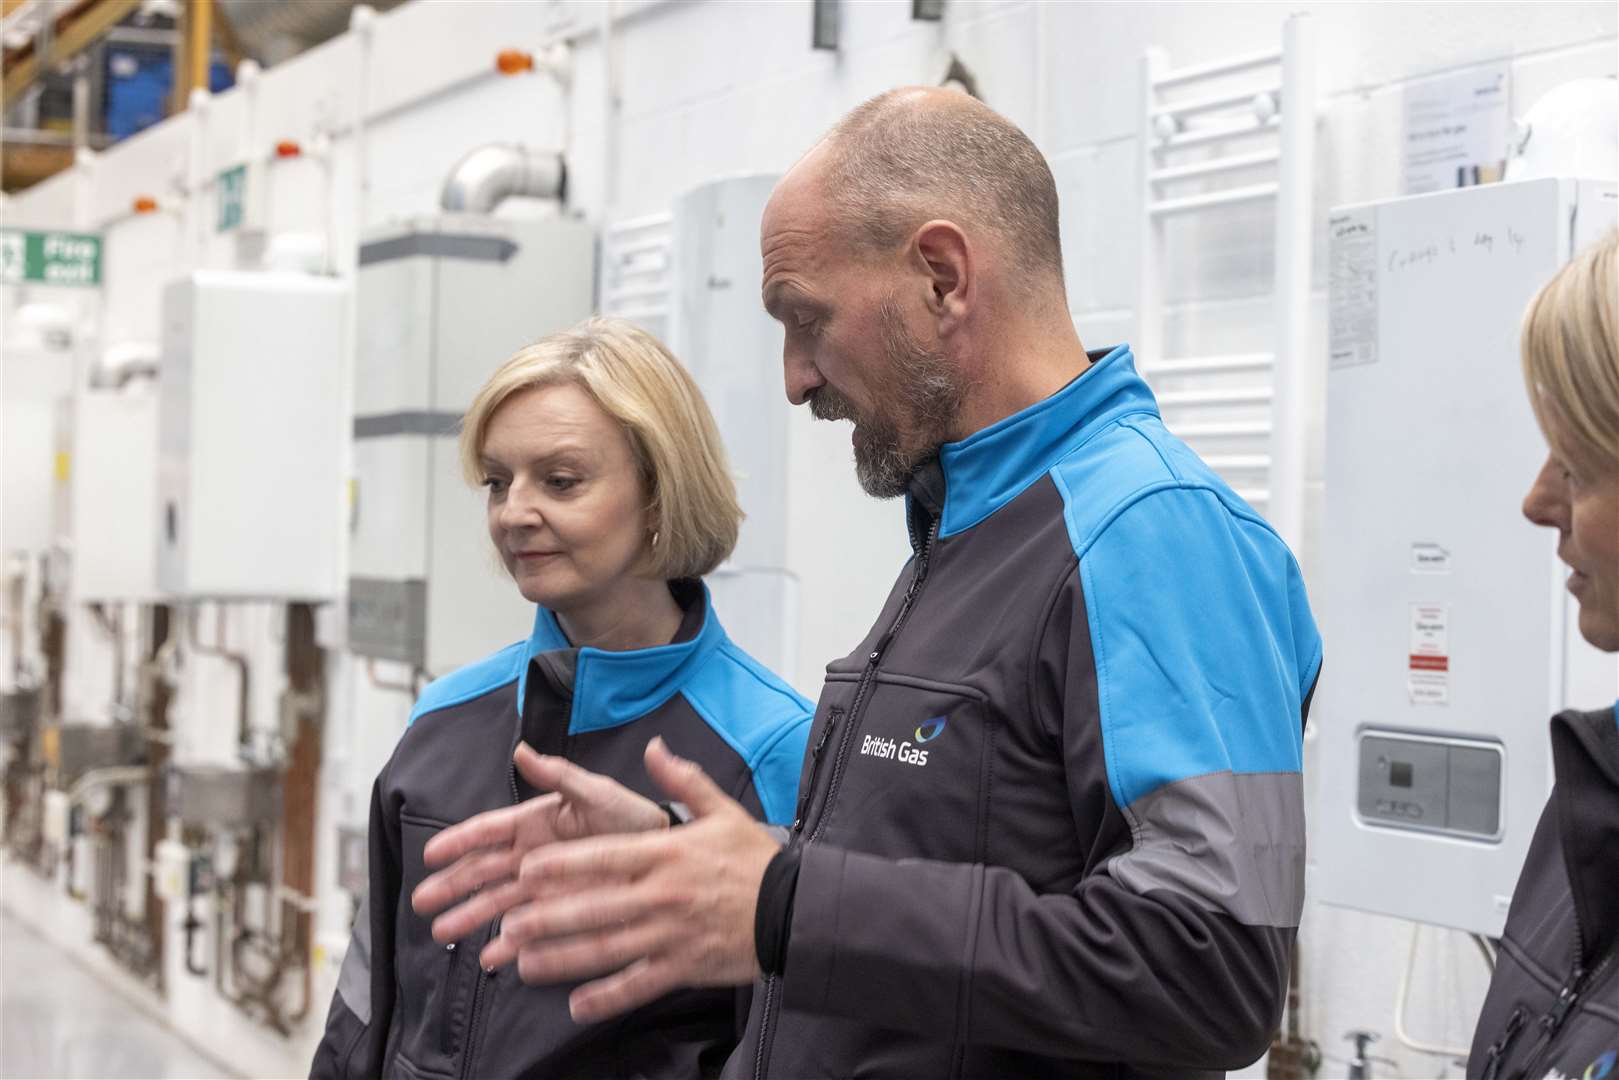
1051	820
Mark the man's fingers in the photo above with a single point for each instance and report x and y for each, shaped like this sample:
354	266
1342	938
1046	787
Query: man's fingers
492	828
482	909
589	955
467	874
642	982
549	773
684	781
599	857
598	910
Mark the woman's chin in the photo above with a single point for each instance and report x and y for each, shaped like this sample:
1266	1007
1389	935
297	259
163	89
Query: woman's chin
545	590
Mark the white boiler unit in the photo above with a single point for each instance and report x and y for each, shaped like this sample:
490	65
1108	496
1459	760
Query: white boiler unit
1450	639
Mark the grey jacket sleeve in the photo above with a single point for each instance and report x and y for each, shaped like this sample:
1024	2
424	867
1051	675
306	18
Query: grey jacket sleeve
357	1023
1173	948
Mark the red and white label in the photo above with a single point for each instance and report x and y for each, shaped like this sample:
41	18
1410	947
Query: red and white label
1428	670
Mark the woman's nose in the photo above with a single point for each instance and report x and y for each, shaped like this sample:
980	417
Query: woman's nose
1547	501
520	510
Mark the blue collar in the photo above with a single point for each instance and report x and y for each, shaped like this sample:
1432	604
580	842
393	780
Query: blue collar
991	467
613	688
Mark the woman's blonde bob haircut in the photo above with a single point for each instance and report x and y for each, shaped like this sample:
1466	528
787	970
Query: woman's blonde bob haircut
1571	358
690	494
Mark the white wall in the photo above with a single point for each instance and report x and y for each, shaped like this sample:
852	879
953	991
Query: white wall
709	88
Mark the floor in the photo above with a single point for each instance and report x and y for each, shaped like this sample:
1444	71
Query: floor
58	1020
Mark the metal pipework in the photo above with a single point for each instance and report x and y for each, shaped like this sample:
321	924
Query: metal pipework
489	175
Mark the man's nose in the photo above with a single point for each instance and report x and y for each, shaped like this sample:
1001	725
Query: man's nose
802	376
1547	500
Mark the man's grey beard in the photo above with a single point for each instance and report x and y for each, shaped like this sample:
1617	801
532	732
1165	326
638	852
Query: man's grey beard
921	389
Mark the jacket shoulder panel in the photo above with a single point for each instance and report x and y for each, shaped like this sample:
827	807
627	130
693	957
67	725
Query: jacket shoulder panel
1235	665
473	681
760	717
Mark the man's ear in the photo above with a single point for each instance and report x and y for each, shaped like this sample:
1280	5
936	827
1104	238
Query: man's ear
942	253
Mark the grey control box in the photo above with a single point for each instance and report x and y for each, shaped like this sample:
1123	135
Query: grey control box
223	796
352	859
19	713
1431	783
388	619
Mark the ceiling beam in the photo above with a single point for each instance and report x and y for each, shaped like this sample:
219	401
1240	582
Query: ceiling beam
86	25
22	164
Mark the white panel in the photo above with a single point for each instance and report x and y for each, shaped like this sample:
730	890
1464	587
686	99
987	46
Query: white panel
312	92
251	435
138	255
114	486
432	329
1432	446
733	350
35	379
473	606
488	310
425	47
387	538
48	204
152	163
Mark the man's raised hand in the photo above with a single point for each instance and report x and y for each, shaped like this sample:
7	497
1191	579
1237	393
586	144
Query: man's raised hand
482	855
643	915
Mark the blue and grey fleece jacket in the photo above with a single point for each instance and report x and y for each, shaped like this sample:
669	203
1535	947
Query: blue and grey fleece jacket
408	1006
1052	820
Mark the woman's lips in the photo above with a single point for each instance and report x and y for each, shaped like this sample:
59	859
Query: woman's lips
532	557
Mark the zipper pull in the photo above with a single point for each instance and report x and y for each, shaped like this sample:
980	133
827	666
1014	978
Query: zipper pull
1567	998
826	732
1498	1048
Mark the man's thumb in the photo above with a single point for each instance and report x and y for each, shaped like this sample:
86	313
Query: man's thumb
684	781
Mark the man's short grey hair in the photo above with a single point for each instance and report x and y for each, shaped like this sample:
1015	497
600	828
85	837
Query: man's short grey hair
894	165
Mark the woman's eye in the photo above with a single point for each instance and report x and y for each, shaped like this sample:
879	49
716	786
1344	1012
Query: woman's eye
562	483
495	484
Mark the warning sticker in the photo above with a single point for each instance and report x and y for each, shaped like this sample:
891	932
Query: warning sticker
1428	671
1352	288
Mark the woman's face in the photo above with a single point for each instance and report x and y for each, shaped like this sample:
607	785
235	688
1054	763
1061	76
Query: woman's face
567	509
1582	504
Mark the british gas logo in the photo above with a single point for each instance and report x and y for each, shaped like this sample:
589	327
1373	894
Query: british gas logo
906	753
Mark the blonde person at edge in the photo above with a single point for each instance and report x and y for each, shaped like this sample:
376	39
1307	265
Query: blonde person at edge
609	499
1553	1005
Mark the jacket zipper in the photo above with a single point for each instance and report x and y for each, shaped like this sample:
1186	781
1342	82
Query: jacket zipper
1568	998
832	716
446	1042
1498	1049
869	675
483	976
762	1056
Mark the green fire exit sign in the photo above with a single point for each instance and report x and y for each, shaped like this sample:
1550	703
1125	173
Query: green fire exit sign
51	258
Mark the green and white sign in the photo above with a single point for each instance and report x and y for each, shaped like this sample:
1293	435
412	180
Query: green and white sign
232	195
51	258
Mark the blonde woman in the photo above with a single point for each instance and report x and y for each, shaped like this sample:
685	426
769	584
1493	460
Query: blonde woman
1553	1006
609	499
